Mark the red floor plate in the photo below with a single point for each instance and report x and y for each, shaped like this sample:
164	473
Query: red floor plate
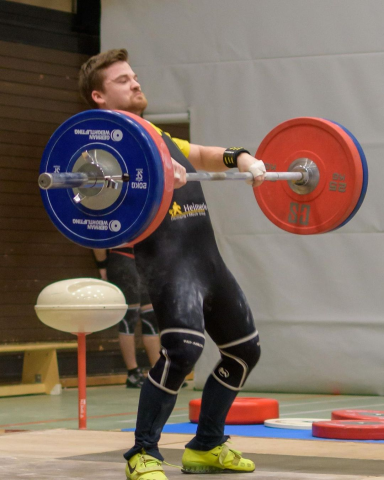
244	411
349	430
367	415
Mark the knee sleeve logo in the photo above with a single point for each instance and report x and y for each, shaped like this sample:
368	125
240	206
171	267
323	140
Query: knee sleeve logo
196	344
223	372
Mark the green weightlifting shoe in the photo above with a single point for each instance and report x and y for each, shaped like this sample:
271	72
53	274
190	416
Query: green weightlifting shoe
221	459
144	467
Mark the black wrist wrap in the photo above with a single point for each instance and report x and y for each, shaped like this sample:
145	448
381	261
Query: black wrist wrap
102	263
230	156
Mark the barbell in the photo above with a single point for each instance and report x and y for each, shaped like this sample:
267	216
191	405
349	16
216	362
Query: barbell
106	177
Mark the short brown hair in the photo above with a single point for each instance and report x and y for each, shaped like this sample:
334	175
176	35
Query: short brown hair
91	75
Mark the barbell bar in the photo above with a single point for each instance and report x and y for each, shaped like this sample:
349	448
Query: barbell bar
106	177
297	177
79	179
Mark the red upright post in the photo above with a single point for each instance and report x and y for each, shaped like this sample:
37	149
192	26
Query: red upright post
82	380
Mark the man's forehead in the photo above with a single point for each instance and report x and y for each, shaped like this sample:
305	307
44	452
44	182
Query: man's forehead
117	70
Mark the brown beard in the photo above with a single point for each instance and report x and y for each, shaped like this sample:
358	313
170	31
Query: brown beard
139	106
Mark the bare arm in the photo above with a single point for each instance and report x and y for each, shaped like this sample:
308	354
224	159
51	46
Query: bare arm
101	256
210	159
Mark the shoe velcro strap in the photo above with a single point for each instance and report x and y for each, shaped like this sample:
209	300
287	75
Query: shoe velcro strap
224	452
155	467
172	465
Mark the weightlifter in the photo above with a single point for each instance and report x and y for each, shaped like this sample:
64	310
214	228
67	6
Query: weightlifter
190	288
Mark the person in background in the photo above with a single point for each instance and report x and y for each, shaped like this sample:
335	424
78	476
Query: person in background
118	267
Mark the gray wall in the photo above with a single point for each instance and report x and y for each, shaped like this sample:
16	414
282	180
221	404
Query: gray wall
241	67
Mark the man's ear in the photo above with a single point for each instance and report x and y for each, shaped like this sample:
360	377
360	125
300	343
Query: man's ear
97	97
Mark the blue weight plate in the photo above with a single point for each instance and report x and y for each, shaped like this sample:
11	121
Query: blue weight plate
364	165
137	201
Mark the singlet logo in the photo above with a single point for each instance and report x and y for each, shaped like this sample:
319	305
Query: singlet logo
187	210
175	210
223	372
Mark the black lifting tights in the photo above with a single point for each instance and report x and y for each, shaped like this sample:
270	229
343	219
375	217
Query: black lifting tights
155	407
215	405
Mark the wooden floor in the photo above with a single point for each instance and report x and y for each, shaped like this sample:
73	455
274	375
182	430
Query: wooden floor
76	454
32	444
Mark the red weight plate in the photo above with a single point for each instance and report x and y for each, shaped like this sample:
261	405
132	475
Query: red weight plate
340	176
168	177
367	415
244	410
349	430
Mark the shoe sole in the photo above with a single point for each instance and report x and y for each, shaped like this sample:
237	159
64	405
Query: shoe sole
207	470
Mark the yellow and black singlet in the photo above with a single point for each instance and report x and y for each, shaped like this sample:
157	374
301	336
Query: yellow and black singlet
187	279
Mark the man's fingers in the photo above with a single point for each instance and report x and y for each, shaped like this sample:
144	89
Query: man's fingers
258	170
179	174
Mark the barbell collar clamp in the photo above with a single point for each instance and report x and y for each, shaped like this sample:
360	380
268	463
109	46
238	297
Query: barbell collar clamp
79	197
89	158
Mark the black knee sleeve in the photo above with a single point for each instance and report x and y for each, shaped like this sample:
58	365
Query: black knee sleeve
237	360
129	322
148	322
180	350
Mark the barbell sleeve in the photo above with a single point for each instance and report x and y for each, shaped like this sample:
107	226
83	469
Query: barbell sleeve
63	180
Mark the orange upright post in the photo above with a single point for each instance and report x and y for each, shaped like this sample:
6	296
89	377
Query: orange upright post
81	306
82	379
